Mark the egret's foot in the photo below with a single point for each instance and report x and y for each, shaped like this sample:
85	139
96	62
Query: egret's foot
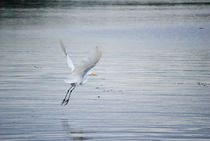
64	100
67	101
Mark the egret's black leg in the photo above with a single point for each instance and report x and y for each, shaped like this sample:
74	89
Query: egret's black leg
67	101
66	95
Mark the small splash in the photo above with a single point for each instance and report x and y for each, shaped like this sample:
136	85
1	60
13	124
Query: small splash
179	83
36	67
204	84
109	90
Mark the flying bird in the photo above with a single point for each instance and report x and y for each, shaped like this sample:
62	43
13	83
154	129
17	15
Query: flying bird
79	73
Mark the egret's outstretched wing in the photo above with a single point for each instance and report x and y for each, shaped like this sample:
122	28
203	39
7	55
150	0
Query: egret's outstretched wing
69	61
89	62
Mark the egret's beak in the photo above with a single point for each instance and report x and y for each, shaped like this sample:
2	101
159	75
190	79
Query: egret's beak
93	74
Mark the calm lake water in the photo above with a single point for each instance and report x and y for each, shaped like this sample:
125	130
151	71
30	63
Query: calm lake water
153	80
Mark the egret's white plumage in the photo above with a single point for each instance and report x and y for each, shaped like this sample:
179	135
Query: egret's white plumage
79	73
68	59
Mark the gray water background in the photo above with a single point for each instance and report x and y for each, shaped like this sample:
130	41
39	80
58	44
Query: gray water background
153	80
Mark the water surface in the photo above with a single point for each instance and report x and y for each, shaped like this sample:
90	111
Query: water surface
153	80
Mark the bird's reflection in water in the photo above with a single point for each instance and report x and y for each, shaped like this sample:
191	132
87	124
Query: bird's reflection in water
72	133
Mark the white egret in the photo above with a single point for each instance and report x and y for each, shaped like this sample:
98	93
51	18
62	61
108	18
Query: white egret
79	73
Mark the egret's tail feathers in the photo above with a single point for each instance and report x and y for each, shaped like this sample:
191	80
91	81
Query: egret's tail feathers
69	81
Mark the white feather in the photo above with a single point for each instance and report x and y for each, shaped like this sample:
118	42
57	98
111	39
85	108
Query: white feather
90	61
80	72
69	61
